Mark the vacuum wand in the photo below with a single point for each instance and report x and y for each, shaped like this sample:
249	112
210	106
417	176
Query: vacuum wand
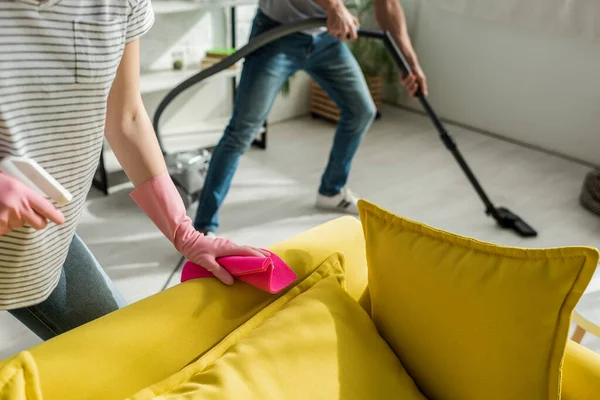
504	217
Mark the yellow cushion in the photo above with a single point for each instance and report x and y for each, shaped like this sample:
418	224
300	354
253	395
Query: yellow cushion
319	344
581	376
471	320
19	379
132	346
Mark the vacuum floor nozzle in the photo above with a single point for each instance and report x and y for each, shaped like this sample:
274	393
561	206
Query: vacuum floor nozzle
509	220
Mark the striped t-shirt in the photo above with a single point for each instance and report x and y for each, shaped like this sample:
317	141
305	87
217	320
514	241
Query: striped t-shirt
58	59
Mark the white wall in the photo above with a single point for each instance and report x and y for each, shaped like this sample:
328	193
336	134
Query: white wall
530	86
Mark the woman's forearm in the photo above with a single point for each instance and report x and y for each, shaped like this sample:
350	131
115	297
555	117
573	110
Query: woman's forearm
128	128
136	147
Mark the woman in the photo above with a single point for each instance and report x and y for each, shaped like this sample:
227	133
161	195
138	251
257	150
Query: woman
69	76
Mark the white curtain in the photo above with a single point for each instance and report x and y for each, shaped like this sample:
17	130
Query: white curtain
571	18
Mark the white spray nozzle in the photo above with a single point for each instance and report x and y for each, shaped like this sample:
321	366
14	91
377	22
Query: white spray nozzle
32	174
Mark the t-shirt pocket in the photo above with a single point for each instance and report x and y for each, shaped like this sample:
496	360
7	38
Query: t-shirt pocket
35	54
99	46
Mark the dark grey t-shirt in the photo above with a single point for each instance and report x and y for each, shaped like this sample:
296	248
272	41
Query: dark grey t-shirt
289	11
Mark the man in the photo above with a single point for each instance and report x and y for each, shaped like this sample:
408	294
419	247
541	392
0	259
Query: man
327	59
69	75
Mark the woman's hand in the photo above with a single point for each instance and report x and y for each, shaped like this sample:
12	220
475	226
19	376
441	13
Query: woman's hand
160	200
205	251
19	206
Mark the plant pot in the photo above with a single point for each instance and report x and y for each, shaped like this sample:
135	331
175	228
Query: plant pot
322	106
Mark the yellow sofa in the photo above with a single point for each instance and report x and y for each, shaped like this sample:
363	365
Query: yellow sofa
158	347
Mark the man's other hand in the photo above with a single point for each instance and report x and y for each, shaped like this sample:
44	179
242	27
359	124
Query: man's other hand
415	80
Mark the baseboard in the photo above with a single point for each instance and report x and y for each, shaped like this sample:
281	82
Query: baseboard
500	137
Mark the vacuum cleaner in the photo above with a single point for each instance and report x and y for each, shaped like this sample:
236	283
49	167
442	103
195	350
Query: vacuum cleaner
187	168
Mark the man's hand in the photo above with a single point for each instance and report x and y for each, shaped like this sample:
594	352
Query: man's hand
416	80
341	24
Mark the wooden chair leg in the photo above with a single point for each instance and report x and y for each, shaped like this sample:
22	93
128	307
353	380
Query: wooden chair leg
578	334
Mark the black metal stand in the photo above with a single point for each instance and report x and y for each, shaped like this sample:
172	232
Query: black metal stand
100	180
233	45
173	272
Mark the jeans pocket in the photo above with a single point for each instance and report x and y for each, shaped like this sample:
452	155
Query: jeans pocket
99	46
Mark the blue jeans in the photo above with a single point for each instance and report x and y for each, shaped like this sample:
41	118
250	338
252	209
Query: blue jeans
84	293
330	63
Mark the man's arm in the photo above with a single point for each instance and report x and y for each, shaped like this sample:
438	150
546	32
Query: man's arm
390	17
128	128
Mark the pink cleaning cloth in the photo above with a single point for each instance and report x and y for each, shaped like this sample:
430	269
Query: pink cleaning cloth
270	274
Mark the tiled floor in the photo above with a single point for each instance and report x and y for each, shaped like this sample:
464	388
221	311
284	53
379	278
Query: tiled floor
401	166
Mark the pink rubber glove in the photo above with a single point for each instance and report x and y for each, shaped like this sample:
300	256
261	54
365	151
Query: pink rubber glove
20	206
270	274
159	199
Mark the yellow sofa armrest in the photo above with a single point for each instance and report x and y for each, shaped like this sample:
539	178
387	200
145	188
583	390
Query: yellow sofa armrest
581	373
128	350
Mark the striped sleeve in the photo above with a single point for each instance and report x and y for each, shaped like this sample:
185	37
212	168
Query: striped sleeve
140	20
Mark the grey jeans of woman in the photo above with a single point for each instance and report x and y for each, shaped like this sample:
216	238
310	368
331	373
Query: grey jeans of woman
84	293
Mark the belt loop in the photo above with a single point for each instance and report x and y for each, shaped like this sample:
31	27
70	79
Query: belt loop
310	46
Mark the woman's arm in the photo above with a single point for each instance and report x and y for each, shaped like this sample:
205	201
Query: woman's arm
131	136
390	17
128	128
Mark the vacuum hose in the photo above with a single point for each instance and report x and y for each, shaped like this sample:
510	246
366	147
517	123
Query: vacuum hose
503	216
255	44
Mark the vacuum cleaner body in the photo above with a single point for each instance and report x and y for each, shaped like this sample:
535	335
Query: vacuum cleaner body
188	171
504	217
